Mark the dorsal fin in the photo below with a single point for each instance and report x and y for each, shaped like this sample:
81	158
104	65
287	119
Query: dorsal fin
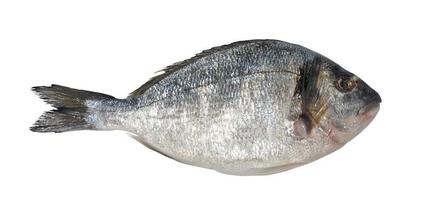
179	65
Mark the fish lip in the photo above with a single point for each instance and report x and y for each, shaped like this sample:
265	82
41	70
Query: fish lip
377	98
373	105
369	109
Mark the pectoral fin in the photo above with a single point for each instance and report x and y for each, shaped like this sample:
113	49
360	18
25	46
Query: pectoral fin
302	127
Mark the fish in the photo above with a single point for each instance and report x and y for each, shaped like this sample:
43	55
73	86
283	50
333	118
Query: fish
254	107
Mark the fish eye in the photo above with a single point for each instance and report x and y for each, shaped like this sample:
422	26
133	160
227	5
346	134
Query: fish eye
345	84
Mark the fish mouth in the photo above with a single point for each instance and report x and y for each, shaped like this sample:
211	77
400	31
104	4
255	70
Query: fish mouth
340	135
372	107
369	110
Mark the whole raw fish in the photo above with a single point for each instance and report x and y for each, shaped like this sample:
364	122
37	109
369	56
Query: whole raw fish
248	108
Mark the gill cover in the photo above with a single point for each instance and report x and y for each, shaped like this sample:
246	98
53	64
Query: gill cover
309	87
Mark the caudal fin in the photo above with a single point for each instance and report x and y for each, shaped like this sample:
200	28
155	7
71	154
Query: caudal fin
71	111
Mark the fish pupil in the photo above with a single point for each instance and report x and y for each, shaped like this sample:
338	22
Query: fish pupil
345	84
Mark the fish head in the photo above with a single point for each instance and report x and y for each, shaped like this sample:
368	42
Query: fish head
339	102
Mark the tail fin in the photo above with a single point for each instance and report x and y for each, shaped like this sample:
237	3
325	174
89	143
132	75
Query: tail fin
71	111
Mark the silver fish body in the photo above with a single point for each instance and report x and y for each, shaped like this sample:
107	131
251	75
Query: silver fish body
249	108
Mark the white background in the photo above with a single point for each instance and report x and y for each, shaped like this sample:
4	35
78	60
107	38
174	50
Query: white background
115	46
